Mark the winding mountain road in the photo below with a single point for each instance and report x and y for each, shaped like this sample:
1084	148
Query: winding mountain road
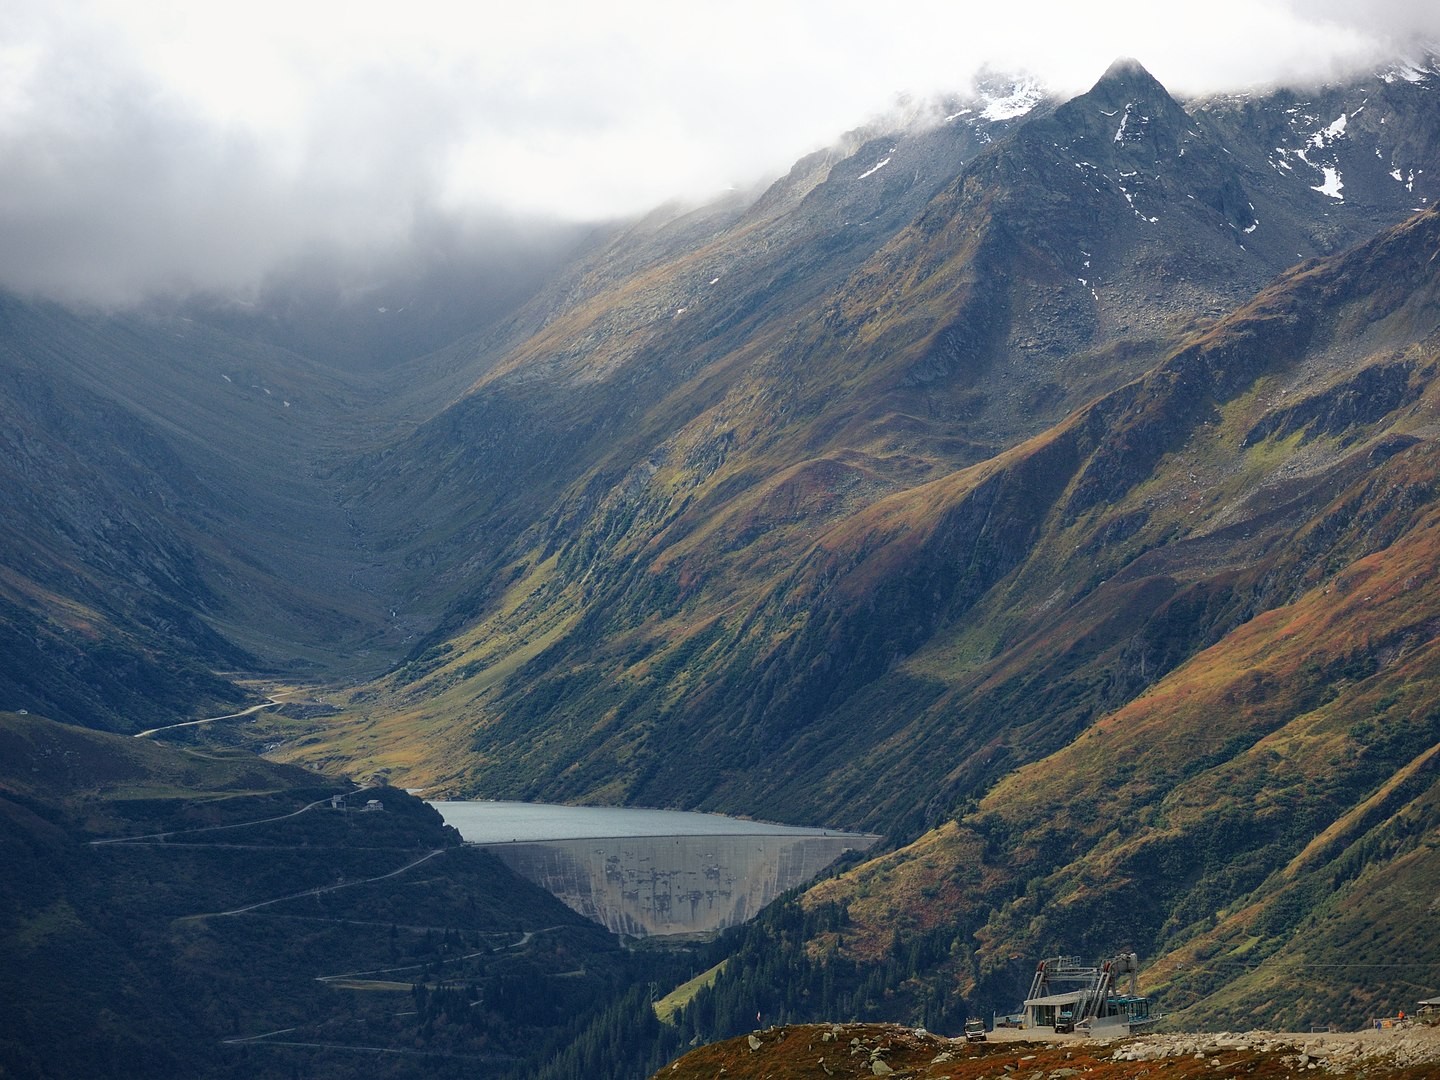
276	699
324	888
218	828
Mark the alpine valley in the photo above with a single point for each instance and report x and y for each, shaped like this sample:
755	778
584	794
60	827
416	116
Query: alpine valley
1052	487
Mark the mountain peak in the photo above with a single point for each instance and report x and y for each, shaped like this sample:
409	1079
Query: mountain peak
1145	109
1129	74
1127	107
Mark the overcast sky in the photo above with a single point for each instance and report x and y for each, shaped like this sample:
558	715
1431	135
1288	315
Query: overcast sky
150	146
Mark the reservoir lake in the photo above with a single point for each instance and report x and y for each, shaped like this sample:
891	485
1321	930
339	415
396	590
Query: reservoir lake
496	822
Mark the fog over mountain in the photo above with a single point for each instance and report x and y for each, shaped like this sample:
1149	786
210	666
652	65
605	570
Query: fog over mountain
156	149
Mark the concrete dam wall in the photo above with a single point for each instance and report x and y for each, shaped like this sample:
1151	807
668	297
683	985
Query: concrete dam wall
678	884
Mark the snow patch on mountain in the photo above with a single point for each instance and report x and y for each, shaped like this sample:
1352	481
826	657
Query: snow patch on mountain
1406	178
1017	100
1133	125
1406	71
874	168
1329	134
1333	183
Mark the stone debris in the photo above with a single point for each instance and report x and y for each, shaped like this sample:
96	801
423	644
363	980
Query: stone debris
1321	1052
853	1051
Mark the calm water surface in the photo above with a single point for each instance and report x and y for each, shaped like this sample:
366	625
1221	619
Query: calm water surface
484	822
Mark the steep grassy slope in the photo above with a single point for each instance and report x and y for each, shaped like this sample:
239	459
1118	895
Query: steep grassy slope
1257	810
1166	670
103	601
836	551
652	442
650	334
167	514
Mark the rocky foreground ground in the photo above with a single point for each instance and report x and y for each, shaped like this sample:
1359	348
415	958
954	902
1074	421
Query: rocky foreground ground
870	1050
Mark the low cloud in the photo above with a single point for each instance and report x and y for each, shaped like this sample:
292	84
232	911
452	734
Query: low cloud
1394	24
157	148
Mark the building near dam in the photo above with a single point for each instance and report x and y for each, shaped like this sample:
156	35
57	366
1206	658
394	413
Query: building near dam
651	872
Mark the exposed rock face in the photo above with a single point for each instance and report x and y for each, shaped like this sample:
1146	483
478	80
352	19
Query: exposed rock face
649	885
